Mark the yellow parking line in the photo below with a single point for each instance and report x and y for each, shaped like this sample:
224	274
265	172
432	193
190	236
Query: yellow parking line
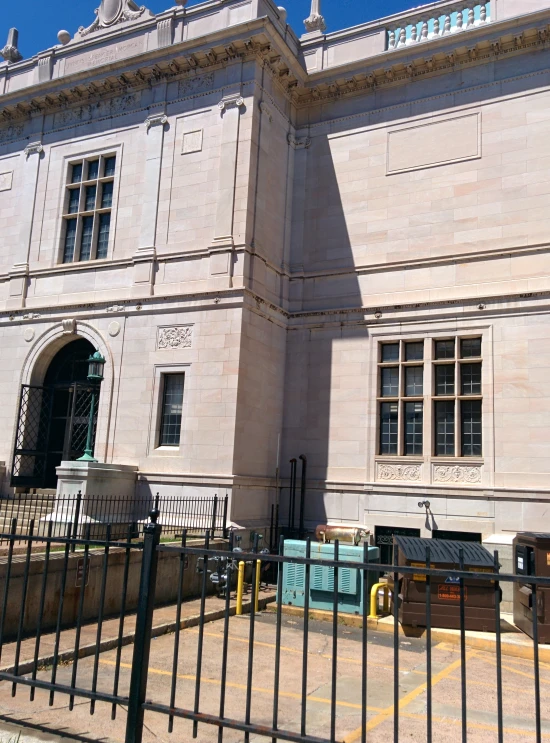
506	687
410	697
297	651
474	725
243	687
512	670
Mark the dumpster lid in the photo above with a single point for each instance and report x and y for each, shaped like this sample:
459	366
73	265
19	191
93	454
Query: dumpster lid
444	551
533	534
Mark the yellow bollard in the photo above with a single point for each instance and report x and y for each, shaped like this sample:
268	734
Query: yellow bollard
240	589
374	599
257	586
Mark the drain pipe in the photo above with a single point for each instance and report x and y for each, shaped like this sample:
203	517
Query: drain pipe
292	495
303	495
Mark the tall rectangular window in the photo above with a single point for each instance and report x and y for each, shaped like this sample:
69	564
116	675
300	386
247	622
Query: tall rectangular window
451	406
172	408
401	419
458	397
87	212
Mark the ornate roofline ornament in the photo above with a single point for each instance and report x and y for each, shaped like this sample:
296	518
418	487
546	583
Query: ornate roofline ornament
10	52
111	12
315	22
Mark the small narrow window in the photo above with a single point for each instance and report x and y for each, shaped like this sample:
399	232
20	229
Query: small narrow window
390	381
110	165
445	428
389	422
471	379
107	195
390	352
414	381
93	170
471	428
103	237
76	173
414	419
172	407
70	240
445	349
91	192
470	348
86	240
445	379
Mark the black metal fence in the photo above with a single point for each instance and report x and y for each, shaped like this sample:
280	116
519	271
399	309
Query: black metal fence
183	696
197	515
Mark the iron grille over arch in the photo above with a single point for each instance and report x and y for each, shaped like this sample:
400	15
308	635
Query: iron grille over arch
53	419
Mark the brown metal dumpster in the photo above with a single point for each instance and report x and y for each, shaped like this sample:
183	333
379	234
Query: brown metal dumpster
532	557
479	596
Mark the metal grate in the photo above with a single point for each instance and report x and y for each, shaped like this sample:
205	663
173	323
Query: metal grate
32	435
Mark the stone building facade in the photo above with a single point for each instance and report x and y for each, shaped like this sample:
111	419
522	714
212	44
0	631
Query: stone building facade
335	245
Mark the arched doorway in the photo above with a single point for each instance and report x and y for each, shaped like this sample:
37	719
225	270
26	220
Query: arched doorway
53	418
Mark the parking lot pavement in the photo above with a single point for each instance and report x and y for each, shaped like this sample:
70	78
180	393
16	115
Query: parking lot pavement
518	689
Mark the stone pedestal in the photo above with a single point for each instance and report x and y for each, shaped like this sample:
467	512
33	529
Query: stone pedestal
108	493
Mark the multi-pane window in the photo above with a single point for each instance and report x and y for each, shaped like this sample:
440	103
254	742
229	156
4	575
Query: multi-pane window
402	380
87	210
458	398
172	408
454	401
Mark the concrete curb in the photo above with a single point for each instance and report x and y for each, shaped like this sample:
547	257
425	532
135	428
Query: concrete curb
514	643
111	643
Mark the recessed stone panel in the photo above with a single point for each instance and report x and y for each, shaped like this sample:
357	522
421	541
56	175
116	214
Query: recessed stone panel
6	180
426	145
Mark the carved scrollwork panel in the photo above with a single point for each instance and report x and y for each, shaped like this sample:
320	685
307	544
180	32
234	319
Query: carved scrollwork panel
399	472
176	336
459	474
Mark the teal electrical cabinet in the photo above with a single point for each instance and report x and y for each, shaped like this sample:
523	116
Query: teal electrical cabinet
321	579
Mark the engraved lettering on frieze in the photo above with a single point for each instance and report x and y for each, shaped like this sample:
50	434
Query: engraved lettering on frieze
12	132
196	84
6	180
401	472
106	55
177	336
457	474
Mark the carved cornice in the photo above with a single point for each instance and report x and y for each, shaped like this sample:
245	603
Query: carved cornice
299	143
440	62
111	12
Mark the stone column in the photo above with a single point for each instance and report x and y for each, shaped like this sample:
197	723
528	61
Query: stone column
20	271
144	259
222	245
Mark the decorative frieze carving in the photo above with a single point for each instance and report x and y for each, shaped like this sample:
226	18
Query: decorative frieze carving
196	84
10	134
155	120
299	143
105	108
31	316
176	336
456	473
315	21
6	180
400	472
116	308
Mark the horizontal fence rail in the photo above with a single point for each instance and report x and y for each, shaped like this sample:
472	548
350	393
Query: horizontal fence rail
197	515
205	671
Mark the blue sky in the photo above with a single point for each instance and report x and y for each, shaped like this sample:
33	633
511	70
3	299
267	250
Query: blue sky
39	21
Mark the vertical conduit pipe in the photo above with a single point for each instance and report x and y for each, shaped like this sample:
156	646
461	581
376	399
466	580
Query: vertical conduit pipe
303	495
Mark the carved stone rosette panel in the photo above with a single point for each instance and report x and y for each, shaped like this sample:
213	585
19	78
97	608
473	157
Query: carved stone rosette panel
399	472
459	474
178	336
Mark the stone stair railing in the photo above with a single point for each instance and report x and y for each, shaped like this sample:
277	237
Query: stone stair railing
454	19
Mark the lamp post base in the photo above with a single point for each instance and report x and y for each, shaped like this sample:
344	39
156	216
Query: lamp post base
87	457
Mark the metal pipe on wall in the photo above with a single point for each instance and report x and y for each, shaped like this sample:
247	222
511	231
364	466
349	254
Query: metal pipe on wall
303	495
292	495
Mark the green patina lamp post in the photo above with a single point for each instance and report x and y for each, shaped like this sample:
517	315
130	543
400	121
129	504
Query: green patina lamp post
95	376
